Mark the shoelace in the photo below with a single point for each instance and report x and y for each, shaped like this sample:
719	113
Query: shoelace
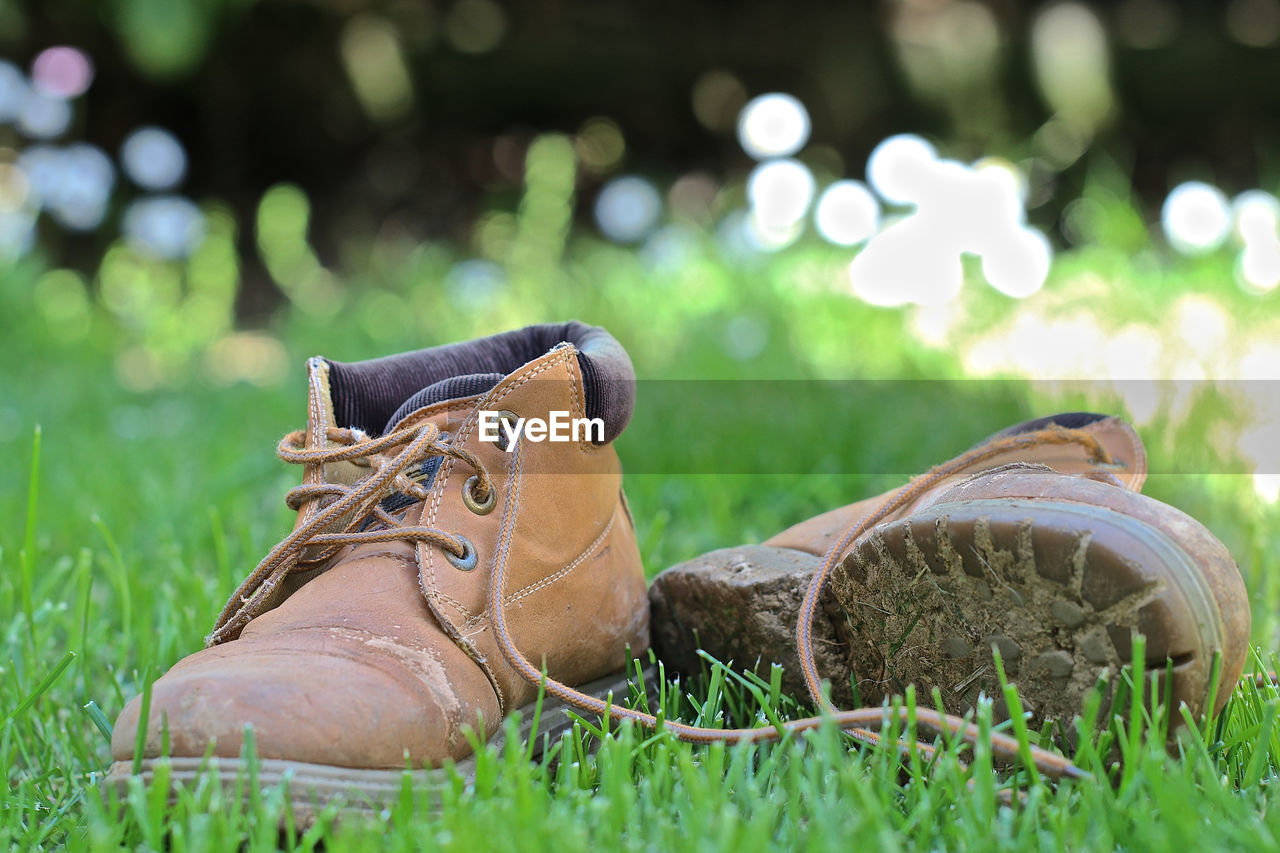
355	504
860	722
352	506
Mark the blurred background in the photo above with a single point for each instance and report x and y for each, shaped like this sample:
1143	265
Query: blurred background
198	194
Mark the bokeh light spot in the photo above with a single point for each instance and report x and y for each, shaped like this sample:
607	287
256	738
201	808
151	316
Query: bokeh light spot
899	168
1018	265
670	249
153	158
17	233
599	144
847	213
43	116
628	208
771	237
375	64
61	298
1060	142
13	91
1256	217
72	184
780	192
1013	183
166	227
1255	23
958	210
475	283
14	187
252	357
1259	267
62	72
693	197
476	26
1072	64
904	264
718	98
1196	218
773	125
1256	222
945	48
1267	487
85	192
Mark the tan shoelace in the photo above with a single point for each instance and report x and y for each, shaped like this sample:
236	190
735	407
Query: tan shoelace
859	722
357	504
360	502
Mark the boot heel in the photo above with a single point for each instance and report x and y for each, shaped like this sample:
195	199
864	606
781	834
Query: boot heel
741	604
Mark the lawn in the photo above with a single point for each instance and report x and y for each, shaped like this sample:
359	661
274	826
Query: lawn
141	484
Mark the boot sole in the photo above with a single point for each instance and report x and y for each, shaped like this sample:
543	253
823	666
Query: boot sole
362	791
1057	588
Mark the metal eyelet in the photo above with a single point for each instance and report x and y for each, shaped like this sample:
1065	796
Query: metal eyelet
467	561
469	497
507	417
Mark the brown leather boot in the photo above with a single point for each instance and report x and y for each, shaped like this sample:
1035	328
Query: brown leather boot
364	643
1036	543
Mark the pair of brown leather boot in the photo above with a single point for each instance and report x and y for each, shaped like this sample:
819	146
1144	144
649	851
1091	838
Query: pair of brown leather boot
463	543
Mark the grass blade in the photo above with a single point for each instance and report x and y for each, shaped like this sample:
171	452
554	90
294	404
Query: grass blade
42	687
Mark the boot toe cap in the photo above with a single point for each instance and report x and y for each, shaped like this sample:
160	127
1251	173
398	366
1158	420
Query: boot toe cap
324	696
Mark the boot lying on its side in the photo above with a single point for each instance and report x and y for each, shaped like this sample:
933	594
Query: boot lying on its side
1040	548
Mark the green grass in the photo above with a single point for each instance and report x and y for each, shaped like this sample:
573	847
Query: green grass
129	516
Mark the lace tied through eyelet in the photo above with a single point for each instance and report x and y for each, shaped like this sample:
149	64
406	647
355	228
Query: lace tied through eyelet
349	508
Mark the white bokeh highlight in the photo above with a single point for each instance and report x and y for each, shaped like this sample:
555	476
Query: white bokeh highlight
1196	218
847	213
780	193
773	125
1019	266
898	267
898	166
1256	224
957	210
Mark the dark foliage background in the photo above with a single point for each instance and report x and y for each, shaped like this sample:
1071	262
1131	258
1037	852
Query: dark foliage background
260	92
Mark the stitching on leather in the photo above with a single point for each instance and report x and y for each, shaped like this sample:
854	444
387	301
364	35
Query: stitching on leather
526	591
457	604
432	506
465	432
550	579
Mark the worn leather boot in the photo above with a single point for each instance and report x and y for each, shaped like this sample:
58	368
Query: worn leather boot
364	643
1036	543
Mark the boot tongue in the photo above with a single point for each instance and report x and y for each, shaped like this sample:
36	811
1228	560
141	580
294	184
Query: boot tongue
453	388
1067	420
1117	437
